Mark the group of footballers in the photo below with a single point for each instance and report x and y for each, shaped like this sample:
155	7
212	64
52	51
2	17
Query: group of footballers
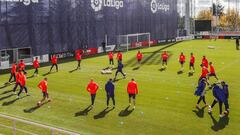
19	74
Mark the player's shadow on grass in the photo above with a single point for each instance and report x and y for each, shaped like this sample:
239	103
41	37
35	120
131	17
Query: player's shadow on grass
162	69
199	112
180	72
220	124
73	70
48	73
32	109
125	112
6	92
12	101
6	97
30	77
103	113
84	112
190	74
117	80
136	68
5	85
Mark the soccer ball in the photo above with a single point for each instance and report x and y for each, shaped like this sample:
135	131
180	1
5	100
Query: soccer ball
39	103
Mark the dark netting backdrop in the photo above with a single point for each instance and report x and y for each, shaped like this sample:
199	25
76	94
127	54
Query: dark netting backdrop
49	26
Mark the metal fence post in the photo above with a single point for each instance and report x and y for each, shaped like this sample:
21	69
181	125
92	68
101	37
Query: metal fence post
14	127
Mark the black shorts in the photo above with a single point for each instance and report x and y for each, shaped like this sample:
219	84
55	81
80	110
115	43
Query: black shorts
164	61
132	96
212	74
182	62
191	64
139	60
45	94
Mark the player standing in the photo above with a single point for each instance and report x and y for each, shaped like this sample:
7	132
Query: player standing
54	63
21	66
110	88
182	60
119	56
111	56
164	60
132	90
13	73
92	89
36	66
205	61
204	74
23	80
18	75
237	43
192	62
212	71
120	69
78	58
139	57
43	86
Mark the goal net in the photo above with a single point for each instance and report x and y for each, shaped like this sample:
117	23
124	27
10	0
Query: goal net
133	41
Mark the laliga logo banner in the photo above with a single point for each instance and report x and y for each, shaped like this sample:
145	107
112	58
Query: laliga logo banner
157	6
97	5
25	2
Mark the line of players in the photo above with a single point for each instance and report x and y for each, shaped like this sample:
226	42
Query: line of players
18	73
20	77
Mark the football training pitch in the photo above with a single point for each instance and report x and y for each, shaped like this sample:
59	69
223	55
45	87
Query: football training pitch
165	104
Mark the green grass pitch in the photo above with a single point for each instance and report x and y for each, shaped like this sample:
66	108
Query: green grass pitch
165	104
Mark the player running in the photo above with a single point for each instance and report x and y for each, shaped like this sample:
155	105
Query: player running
92	88
13	73
22	81
78	57
111	61
119	69
43	86
119	56
164	60
212	71
201	91
220	98
132	90
204	73
36	65
54	61
21	66
139	57
18	75
182	60
191	65
110	88
205	61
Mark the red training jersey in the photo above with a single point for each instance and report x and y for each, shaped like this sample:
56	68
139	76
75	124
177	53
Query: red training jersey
139	56
92	87
204	72
14	68
36	64
21	66
132	88
22	80
212	70
192	59
43	86
164	56
182	58
119	56
205	62
110	55
54	60
78	56
18	75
